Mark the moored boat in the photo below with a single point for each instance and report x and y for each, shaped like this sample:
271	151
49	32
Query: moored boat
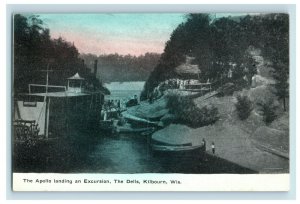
58	111
176	148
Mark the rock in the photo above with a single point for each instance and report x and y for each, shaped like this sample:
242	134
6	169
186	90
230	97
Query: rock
227	89
154	111
261	94
258	80
167	119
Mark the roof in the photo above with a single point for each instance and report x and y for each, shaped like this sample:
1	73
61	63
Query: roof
76	76
63	94
58	94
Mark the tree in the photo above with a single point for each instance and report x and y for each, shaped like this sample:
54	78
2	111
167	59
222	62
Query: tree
268	111
221	45
276	49
243	106
34	51
115	67
281	86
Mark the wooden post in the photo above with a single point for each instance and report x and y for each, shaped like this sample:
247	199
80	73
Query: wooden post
47	81
47	118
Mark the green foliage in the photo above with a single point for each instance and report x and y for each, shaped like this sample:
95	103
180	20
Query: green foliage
115	67
222	44
281	85
243	106
187	112
227	89
268	110
34	51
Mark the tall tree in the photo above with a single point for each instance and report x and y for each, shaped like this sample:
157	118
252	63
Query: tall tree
34	51
276	49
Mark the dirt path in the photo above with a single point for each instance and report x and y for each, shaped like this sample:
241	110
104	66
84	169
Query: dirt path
235	145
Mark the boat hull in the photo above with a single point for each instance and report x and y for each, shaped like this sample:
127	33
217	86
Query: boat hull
176	148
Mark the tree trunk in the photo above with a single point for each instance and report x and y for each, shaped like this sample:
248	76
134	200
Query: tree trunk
284	106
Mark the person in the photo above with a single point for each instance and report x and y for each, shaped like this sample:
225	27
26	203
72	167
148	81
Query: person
204	144
213	147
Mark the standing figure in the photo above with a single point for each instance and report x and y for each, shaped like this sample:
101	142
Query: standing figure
213	147
204	144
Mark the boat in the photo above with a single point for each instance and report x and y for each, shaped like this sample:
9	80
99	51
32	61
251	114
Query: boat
128	129
176	148
57	111
138	121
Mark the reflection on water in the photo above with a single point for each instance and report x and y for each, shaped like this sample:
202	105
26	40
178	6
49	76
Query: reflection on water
127	153
122	154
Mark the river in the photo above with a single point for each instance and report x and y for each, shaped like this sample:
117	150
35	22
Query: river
123	153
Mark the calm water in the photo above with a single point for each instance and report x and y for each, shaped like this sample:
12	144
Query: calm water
124	153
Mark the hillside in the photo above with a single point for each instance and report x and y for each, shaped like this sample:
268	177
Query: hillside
224	46
119	68
249	143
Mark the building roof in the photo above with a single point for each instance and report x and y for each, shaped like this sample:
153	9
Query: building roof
58	94
62	94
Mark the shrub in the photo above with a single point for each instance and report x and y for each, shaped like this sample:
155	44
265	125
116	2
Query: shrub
187	112
268	111
226	90
243	106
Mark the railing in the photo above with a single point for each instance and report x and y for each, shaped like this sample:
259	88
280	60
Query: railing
47	86
199	87
25	129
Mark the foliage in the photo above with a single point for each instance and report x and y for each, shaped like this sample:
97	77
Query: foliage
187	112
114	67
35	51
222	44
268	110
243	106
276	49
281	77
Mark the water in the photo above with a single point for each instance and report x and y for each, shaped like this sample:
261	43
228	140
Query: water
107	153
125	153
124	90
131	153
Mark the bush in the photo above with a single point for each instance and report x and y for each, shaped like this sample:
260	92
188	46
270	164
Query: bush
226	90
243	106
268	111
186	112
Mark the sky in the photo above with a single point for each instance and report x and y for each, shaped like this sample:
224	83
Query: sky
124	34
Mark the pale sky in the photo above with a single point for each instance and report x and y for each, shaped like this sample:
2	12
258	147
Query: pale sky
133	34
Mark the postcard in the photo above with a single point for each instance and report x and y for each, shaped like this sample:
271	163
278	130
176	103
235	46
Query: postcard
150	102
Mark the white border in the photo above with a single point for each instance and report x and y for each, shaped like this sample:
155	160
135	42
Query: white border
150	182
5	174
